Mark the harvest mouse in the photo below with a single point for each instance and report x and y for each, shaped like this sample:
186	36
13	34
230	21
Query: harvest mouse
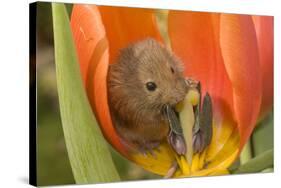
144	84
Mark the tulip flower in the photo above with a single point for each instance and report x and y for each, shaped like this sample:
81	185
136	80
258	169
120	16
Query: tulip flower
231	55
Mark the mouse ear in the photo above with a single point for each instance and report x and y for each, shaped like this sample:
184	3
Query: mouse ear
126	55
120	34
140	46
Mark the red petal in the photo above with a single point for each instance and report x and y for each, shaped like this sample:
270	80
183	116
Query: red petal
240	53
127	25
264	31
195	39
92	50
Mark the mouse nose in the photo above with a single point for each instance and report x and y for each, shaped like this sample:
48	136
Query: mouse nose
176	99
178	96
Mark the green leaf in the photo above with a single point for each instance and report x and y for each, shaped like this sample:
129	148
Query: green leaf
88	152
246	153
257	164
262	138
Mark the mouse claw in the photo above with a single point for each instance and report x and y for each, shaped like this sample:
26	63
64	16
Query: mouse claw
191	83
152	153
153	147
150	149
142	150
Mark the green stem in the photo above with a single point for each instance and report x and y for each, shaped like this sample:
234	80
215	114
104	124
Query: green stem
257	164
88	152
246	153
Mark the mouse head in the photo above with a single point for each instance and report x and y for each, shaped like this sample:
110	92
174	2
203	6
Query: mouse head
147	75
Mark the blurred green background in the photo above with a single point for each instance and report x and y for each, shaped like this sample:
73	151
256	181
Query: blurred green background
52	160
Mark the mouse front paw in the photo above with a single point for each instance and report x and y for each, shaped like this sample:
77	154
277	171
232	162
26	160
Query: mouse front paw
149	148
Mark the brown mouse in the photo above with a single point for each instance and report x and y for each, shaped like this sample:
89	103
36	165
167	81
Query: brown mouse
144	85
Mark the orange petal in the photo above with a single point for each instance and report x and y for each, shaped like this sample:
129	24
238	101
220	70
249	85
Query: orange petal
127	25
264	31
240	53
87	29
92	50
195	39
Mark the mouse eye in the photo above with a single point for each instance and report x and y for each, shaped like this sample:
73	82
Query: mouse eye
151	86
172	70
